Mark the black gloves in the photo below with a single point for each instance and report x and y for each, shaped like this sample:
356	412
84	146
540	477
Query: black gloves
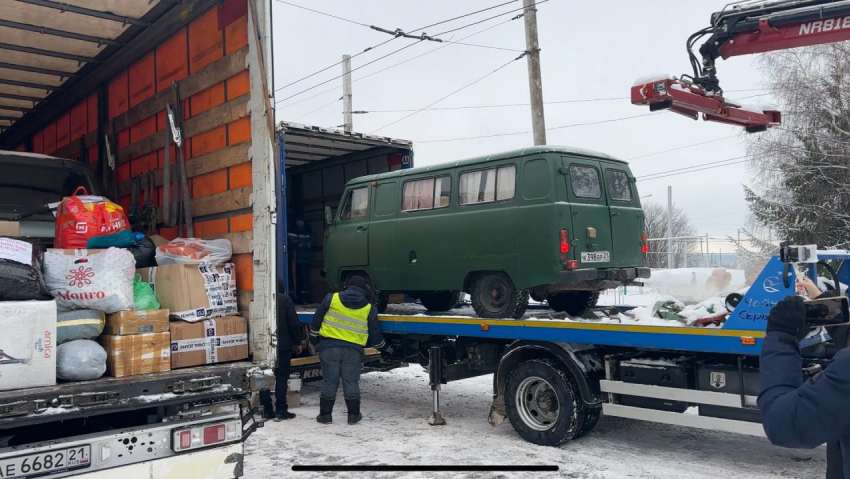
789	316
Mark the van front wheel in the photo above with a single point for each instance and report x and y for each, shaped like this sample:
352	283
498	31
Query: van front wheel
575	303
494	296
439	301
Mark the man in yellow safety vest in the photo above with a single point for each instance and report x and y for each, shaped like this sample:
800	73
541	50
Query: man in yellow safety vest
343	325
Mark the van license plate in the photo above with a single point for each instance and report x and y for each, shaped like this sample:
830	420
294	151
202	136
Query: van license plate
596	257
44	463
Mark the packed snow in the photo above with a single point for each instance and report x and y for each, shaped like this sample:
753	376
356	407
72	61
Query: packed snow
394	431
651	78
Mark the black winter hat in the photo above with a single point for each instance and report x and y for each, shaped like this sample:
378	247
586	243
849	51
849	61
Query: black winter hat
360	283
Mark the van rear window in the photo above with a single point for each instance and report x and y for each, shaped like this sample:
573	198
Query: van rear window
619	186
486	186
427	194
585	181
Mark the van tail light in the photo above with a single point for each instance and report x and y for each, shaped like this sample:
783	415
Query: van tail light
204	435
565	242
572	264
644	245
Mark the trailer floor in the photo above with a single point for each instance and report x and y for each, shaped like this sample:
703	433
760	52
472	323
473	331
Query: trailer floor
394	431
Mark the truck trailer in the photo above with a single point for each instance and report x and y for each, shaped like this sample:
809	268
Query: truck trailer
112	88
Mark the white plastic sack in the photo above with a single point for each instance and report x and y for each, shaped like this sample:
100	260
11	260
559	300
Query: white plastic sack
80	360
194	251
99	280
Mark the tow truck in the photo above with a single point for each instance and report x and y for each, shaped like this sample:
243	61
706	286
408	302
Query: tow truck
742	28
553	376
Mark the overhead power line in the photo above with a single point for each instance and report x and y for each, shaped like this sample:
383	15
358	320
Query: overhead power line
694	168
488	19
397	34
612	120
450	94
399	63
465	15
681	148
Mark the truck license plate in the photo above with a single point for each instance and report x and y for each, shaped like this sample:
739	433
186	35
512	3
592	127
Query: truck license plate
596	257
44	463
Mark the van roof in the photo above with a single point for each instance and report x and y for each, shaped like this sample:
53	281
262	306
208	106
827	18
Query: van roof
533	150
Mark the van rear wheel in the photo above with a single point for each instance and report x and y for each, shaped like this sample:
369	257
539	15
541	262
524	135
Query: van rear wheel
574	303
440	300
494	296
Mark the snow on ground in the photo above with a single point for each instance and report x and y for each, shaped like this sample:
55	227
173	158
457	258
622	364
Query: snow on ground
394	431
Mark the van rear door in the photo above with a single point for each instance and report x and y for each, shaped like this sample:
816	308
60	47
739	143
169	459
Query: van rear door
591	233
626	216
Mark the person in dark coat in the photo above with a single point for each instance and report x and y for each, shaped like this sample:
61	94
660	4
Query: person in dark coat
343	325
804	414
289	336
302	240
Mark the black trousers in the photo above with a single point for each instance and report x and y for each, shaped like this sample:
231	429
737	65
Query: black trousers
281	376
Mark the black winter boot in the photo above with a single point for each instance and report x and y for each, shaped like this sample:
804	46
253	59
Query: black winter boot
326	406
354	415
283	413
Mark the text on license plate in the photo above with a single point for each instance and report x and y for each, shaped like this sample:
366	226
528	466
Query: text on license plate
596	257
43	463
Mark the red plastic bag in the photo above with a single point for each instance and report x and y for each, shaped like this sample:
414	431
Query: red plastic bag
80	218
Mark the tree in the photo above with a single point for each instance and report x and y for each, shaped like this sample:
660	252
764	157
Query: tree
802	169
753	252
656	227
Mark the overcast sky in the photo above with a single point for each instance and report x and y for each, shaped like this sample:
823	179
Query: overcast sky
590	50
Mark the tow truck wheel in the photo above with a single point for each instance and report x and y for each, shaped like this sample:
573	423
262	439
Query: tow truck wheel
575	303
543	403
494	296
440	300
591	417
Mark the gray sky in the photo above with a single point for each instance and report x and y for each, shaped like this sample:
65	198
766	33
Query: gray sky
589	50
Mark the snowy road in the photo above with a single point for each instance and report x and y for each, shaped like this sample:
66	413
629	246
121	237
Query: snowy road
394	431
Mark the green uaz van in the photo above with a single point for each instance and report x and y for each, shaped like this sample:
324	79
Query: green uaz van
553	223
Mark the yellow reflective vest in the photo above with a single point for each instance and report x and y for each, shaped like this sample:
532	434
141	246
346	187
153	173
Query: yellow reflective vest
346	324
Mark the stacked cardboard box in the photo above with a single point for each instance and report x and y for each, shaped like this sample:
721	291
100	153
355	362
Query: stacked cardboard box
210	341
137	342
28	344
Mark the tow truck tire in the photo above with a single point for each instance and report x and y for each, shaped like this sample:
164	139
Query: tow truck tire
440	300
591	417
494	296
543	403
575	303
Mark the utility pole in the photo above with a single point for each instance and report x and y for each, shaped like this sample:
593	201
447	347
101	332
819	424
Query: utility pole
670	226
535	83
346	94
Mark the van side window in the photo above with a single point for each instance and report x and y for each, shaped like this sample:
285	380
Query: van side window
356	204
486	186
426	194
619	186
585	181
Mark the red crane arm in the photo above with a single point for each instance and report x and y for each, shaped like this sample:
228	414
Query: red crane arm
745	28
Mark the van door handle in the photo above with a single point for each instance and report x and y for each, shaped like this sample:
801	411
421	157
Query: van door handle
615	214
361	229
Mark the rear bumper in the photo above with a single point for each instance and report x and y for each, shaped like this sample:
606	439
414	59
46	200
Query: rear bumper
611	274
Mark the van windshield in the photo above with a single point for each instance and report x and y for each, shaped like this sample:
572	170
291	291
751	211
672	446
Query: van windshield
26	189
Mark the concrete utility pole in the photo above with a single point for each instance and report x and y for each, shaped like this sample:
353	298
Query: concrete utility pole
535	83
670	227
346	94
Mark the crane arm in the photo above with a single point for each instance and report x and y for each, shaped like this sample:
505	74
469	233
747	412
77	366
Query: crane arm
743	28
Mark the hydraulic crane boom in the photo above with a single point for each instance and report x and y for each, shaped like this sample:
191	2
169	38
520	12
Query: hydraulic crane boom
743	28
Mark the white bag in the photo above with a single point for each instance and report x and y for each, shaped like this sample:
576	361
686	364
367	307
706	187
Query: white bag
80	360
194	251
99	280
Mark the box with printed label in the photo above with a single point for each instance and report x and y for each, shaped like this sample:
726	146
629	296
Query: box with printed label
10	228
124	323
194	292
210	341
137	353
28	344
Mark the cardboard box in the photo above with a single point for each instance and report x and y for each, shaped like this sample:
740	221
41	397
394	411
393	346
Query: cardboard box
194	292
10	229
137	353
293	385
124	323
293	400
211	341
28	344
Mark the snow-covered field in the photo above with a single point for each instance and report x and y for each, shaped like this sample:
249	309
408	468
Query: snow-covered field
394	431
